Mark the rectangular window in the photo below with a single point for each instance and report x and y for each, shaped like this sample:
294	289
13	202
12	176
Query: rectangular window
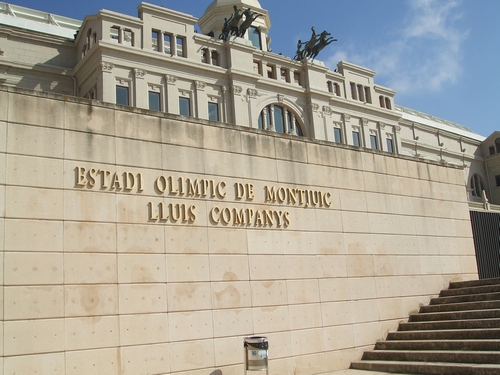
373	141
338	135
167	44
128	38
354	94
114	34
390	145
368	95
155	40
215	58
184	106
285	76
257	67
181	44
492	150
122	95
154	101
497	179
270	72
355	138
213	111
361	93
296	78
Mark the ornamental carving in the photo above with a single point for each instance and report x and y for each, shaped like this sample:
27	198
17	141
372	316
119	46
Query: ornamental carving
224	89
200	85
281	98
314	106
252	93
106	67
139	73
347	117
327	110
364	121
237	90
171	79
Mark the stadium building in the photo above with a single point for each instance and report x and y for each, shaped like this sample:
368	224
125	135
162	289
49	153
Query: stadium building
166	193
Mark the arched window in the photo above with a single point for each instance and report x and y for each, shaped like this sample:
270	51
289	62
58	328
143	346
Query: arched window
89	39
254	36
281	118
388	103
497	145
476	185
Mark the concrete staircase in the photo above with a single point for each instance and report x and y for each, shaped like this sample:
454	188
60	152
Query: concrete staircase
458	333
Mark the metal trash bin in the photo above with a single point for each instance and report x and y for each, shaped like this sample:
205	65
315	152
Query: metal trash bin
256	353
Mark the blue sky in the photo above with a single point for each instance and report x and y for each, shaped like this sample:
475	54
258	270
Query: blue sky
442	57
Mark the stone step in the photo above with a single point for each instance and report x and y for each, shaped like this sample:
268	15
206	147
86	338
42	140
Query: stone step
470	290
450	324
458	334
478	357
474	283
427	368
485	305
455	315
468	345
466	298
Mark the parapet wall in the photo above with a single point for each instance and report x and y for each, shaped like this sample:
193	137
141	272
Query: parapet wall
137	242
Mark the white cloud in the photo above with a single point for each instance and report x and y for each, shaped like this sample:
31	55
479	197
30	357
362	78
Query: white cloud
425	54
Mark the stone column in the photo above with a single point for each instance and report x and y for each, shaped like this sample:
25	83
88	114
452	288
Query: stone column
106	88
200	104
293	129
141	97
172	102
271	119
252	121
224	114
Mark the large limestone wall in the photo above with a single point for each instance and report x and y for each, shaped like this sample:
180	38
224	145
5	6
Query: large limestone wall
98	280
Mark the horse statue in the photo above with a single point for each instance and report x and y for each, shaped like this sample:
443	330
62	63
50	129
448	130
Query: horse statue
249	18
324	40
234	21
314	46
311	43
